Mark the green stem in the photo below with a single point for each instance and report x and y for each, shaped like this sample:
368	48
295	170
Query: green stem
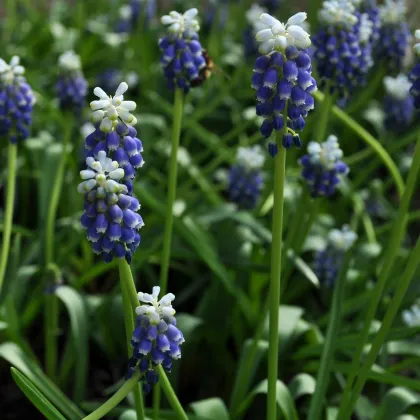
8	215
127	287
275	283
167	236
172	180
325	112
389	257
370	140
327	358
52	309
380	337
106	407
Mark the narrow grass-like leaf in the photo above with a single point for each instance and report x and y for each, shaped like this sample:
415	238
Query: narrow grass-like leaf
211	408
35	396
396	402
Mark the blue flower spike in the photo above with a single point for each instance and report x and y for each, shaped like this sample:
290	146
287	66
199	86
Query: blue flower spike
156	340
398	103
283	77
113	154
183	57
71	85
343	47
415	73
394	35
322	167
328	262
16	101
245	178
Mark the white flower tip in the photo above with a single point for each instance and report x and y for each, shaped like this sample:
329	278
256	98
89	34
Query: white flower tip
122	88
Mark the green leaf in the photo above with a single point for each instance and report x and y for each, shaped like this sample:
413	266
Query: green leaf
79	319
36	397
303	268
187	323
283	397
289	317
245	373
211	408
302	384
396	402
16	357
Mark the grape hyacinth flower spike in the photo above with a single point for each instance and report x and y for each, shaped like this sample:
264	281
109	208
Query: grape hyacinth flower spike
245	180
113	154
398	103
156	340
328	262
183	58
343	47
322	167
254	26
394	35
282	78
16	101
71	85
415	73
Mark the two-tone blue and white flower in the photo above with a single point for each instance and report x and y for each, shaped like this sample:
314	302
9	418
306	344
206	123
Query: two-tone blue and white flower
71	85
394	35
245	177
156	340
398	103
16	101
328	262
283	78
414	75
182	54
343	47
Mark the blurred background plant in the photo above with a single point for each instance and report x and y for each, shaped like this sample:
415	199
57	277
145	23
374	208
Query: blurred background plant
220	253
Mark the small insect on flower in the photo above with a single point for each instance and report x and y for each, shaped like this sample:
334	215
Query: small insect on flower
156	340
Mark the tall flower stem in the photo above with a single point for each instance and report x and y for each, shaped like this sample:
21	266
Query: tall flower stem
108	405
51	301
172	181
8	215
377	343
389	257
327	358
169	217
127	284
324	117
128	287
275	283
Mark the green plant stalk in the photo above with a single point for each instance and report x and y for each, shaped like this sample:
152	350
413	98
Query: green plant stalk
169	219
370	140
125	281
389	257
108	405
275	283
52	308
380	337
322	123
127	286
8	215
327	358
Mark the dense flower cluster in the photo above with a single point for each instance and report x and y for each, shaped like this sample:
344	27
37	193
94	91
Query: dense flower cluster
182	54
322	167
398	103
71	85
394	35
156	339
113	154
371	9
133	12
328	262
283	77
343	47
16	101
415	73
245	180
